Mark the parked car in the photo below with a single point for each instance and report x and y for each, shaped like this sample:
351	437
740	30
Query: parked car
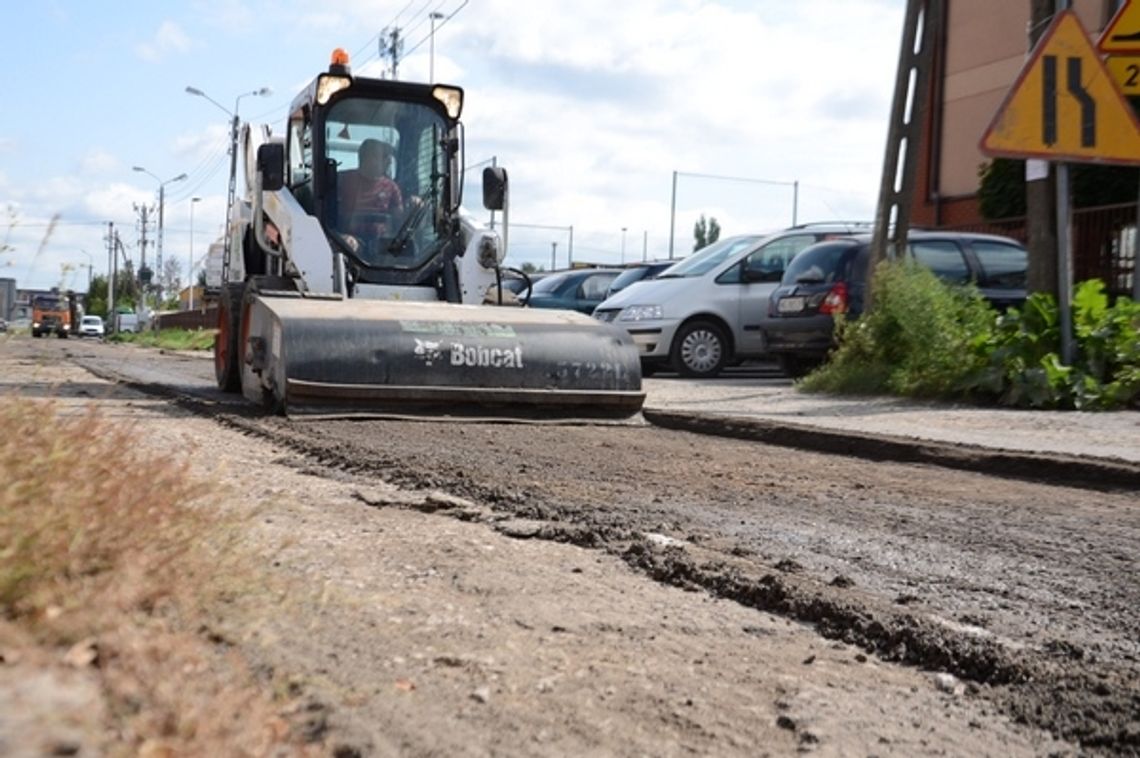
127	322
831	278
706	311
91	326
579	290
638	273
517	285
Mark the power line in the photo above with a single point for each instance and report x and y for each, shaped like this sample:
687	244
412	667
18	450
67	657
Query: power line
439	26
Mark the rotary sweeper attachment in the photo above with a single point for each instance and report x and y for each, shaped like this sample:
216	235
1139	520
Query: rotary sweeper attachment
329	356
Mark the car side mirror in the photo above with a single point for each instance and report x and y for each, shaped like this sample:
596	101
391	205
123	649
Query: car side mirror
271	166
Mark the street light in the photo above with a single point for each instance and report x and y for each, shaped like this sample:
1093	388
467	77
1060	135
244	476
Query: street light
623	245
190	270
161	205
90	267
434	16
235	122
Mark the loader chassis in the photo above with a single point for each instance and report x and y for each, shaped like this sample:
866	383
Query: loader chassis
336	305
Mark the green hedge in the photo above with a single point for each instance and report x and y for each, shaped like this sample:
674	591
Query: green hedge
927	339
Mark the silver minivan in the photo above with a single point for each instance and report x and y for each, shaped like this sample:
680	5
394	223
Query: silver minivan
706	311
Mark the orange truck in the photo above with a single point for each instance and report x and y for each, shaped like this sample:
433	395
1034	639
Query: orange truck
51	314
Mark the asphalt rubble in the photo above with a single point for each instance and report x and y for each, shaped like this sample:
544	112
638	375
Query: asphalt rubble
1099	450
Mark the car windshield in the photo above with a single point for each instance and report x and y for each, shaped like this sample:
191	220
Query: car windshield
549	283
822	263
628	277
705	260
92	320
389	169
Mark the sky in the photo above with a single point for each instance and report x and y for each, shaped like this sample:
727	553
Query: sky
760	112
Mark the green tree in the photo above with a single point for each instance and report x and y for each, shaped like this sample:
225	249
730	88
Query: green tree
126	293
1001	190
705	232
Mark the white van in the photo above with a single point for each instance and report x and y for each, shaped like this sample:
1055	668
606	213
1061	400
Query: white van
127	322
706	311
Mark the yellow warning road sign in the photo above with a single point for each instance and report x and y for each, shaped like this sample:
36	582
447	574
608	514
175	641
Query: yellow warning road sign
1065	105
1125	69
1122	35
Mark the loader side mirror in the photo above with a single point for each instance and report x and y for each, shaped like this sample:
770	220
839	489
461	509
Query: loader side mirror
271	166
494	188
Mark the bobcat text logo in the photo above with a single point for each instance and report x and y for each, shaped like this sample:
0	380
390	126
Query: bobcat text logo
428	351
492	357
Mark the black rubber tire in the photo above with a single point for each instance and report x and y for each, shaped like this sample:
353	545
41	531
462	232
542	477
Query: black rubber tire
700	350
227	361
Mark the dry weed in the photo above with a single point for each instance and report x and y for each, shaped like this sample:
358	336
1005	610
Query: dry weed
111	559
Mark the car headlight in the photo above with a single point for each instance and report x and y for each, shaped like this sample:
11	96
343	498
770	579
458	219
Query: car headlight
642	313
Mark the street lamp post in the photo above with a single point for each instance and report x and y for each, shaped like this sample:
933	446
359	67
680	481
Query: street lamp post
235	124
623	245
161	205
90	266
435	16
190	268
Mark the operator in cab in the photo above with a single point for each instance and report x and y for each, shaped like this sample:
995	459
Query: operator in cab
369	200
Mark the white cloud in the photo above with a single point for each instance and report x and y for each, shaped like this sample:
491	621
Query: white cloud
168	40
98	162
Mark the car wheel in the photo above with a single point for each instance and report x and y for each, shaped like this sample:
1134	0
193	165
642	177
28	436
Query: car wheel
700	350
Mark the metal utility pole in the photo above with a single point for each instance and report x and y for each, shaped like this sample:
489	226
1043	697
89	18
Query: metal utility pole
144	273
434	16
553	255
645	246
391	46
231	193
672	215
1041	189
190	265
912	88
111	268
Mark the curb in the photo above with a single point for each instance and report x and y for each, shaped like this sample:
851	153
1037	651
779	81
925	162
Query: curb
1103	474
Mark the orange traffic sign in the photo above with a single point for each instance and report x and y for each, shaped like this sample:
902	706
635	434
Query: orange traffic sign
1125	69
1122	35
1065	105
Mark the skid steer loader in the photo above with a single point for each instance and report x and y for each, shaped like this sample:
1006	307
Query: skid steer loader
335	307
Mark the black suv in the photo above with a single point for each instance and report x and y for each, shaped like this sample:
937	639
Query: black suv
831	277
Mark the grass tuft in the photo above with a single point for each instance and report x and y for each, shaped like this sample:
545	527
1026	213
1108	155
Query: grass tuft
105	548
170	339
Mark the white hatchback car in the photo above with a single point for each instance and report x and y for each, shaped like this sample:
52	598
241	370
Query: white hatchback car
706	311
91	326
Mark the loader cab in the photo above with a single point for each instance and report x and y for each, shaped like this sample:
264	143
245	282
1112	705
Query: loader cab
392	219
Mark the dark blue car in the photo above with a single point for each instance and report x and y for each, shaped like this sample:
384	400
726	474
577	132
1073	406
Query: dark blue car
831	277
579	290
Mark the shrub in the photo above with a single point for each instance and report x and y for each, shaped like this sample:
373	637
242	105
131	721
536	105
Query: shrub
918	340
1022	365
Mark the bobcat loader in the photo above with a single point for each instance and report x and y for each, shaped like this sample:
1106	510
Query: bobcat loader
328	308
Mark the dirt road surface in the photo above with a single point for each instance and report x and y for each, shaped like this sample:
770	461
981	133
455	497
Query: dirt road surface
486	589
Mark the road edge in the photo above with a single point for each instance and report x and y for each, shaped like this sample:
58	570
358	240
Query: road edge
1055	468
